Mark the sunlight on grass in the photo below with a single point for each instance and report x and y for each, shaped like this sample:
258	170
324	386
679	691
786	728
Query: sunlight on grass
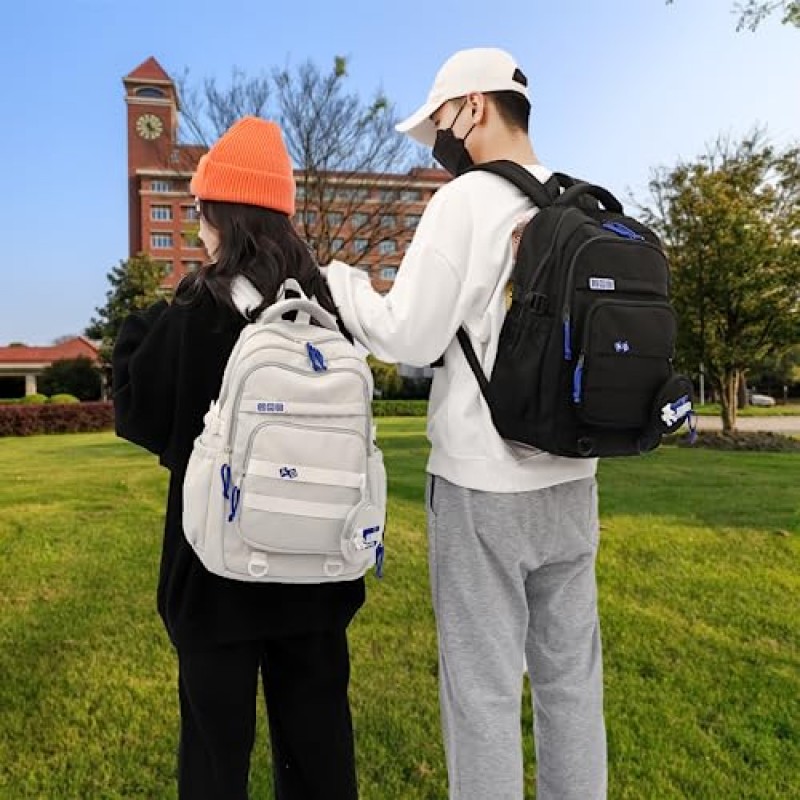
698	574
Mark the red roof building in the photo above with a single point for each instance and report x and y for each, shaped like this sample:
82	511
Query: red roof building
22	361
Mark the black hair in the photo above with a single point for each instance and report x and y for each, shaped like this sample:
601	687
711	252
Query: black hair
261	245
514	109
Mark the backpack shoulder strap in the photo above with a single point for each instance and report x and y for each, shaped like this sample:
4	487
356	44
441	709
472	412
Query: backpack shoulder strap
542	194
472	360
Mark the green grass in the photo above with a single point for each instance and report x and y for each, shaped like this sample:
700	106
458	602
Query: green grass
699	587
790	409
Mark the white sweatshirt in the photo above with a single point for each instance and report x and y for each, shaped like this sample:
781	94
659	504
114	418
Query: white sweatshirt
455	272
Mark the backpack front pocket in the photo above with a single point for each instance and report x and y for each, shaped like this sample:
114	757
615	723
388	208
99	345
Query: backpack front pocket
626	357
300	484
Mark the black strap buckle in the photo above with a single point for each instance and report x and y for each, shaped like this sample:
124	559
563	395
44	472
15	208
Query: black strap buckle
538	303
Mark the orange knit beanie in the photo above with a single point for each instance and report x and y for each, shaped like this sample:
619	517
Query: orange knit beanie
249	164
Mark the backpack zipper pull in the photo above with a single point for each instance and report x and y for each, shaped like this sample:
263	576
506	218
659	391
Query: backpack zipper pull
567	338
577	381
379	556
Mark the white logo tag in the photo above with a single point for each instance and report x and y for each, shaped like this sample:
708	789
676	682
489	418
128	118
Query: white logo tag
672	412
271	407
602	284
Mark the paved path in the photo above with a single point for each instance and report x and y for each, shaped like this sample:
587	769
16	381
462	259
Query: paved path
788	425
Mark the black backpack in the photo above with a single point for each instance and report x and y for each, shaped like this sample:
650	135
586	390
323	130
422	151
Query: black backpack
584	362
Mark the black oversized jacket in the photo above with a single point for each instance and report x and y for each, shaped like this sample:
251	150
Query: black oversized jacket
168	364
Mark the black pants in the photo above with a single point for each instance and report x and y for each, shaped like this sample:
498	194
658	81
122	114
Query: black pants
305	684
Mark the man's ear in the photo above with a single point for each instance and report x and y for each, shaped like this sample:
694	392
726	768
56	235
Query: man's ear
477	107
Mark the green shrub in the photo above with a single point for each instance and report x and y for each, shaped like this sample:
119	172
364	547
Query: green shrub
34	400
399	408
75	376
63	399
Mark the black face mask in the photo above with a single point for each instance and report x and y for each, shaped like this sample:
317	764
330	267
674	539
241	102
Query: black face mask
450	151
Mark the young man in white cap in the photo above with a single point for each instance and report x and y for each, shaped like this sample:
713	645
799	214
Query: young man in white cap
513	532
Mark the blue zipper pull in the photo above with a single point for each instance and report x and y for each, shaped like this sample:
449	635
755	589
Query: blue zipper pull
691	421
236	494
567	339
225	472
379	556
622	230
577	381
316	358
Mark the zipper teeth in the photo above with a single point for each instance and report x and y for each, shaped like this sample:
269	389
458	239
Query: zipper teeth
238	398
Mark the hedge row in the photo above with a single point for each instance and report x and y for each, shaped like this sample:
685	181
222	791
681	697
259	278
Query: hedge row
39	399
399	408
757	442
28	420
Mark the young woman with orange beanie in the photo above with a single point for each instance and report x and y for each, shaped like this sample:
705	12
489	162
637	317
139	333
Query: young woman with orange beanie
168	366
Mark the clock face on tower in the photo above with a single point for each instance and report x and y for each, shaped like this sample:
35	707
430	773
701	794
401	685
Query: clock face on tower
149	126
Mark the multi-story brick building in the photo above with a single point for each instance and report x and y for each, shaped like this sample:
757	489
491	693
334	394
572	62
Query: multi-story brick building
363	219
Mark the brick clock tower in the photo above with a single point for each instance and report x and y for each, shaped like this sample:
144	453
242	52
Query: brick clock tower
162	219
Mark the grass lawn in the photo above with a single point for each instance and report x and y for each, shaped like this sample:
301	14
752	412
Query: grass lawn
699	583
790	409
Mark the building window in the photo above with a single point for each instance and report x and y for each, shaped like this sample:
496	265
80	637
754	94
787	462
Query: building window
161	213
190	213
192	266
388	195
387	247
359	220
388	273
388	221
161	186
161	241
300	192
360	245
412	195
191	240
149	91
167	267
334	219
336	246
311	217
412	220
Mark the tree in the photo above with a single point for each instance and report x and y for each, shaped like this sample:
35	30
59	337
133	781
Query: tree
340	142
387	380
135	284
75	376
730	222
207	111
753	12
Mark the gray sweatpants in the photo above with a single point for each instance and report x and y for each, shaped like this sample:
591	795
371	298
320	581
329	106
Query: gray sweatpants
512	575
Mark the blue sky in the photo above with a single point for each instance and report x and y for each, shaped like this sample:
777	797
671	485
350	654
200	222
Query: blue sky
618	88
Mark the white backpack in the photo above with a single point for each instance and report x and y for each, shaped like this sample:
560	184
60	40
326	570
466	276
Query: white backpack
285	484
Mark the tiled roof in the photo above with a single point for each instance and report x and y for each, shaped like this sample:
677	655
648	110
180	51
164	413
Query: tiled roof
149	70
47	355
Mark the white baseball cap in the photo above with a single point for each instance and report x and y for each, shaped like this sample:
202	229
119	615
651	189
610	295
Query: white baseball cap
482	69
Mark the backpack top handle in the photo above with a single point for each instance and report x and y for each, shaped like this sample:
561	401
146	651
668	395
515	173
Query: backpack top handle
573	193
